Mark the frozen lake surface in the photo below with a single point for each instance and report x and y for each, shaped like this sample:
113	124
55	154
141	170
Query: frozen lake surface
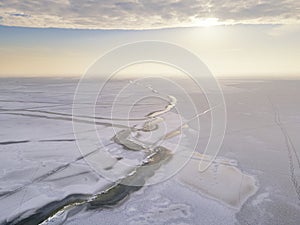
47	177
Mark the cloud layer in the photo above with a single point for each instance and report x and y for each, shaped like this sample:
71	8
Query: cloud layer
145	14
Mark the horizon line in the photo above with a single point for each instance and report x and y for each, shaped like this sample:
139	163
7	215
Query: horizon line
149	29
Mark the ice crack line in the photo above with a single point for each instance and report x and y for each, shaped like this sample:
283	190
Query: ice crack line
292	153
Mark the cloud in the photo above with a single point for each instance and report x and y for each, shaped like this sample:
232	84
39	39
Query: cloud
145	14
19	14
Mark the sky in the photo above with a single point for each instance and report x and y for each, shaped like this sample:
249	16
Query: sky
64	37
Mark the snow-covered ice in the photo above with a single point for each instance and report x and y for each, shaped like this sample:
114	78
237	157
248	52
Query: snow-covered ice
255	178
